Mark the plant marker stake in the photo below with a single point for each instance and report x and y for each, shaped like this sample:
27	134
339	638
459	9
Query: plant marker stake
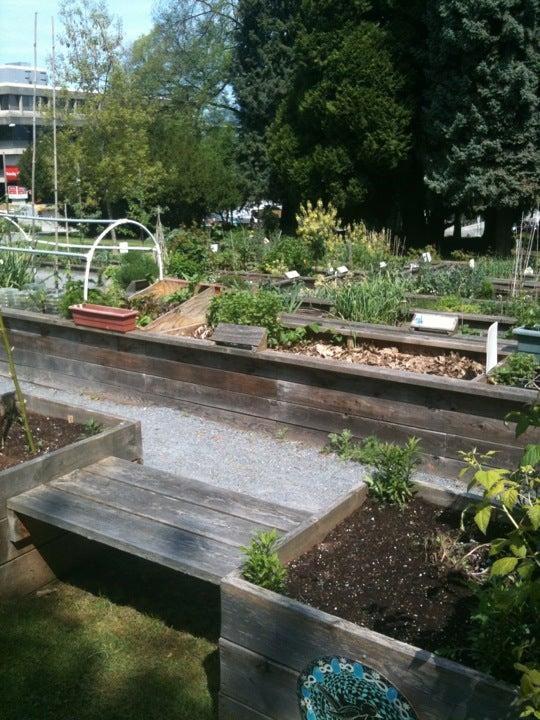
18	392
491	347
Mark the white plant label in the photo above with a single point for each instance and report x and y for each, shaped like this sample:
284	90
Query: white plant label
343	270
426	257
491	346
472	263
382	264
433	322
214	247
292	274
123	247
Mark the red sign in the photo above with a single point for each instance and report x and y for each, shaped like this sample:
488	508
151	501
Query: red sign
12	173
16	192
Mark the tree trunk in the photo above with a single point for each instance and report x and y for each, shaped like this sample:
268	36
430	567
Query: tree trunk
435	226
457	230
498	229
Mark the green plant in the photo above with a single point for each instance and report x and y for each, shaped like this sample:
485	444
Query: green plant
262	308
391	479
518	370
92	427
526	310
178	297
134	266
455	303
529	691
287	253
454	280
262	565
378	300
73	295
317	228
16	270
189	253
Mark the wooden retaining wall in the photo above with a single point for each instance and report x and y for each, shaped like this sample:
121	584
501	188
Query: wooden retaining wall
267	640
26	566
269	389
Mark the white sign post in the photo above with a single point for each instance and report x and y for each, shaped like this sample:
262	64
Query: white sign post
491	347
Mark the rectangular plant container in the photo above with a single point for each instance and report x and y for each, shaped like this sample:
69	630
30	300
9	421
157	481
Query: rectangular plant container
272	647
102	317
528	341
24	567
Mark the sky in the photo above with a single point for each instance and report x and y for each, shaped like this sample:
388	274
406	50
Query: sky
17	25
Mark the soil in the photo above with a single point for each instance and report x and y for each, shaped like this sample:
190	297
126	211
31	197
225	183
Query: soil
49	434
450	364
382	569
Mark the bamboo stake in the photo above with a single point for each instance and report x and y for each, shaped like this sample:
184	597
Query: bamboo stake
55	155
34	130
21	402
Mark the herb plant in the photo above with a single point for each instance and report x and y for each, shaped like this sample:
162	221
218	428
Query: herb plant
391	479
518	370
92	427
262	566
379	300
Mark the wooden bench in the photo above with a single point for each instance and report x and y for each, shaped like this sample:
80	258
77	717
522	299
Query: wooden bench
183	524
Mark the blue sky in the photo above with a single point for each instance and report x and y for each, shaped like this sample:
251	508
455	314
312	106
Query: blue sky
17	25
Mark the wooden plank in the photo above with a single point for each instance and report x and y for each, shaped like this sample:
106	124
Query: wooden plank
40	534
160	507
31	570
225	501
230	709
247	337
314	529
165	545
277	631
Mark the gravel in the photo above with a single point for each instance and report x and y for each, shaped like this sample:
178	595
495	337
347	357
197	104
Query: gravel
256	463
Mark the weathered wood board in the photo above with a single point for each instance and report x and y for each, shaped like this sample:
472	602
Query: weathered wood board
245	337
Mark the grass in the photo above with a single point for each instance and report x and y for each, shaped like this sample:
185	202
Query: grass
127	641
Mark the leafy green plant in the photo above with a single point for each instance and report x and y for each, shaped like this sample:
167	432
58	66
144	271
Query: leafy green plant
262	308
189	253
454	280
455	303
526	310
92	427
391	479
73	295
262	565
287	253
504	636
518	370
134	266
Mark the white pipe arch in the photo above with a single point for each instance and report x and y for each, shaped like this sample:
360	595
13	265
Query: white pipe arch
110	228
19	228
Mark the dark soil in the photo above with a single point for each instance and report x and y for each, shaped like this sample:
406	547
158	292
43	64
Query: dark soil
49	434
381	569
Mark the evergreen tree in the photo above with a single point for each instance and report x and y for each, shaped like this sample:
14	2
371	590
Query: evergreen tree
262	67
482	109
342	130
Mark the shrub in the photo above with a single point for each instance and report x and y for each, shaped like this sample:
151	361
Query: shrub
263	566
379	300
287	253
189	253
518	370
244	307
134	266
317	228
455	303
391	480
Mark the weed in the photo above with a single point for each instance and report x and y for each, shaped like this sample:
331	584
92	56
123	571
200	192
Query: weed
263	566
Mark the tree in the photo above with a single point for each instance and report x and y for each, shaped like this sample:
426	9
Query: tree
482	109
262	68
342	130
92	42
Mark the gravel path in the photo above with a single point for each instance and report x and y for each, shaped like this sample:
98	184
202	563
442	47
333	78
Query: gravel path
287	472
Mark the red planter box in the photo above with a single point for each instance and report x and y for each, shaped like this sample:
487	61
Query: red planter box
104	318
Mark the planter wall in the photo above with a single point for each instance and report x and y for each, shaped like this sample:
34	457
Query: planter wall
25	567
268	640
528	341
265	390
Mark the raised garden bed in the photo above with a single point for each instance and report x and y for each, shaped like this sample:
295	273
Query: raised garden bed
274	649
309	397
24	567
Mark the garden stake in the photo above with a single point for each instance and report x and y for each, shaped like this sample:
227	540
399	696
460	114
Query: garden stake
18	392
